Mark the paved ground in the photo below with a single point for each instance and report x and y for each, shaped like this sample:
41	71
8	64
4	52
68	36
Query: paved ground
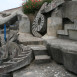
44	70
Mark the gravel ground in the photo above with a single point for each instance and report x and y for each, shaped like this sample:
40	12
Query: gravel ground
43	70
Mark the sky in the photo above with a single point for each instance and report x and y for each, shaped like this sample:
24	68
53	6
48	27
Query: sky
9	4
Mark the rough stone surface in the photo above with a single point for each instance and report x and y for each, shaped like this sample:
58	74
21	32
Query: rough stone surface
43	70
15	26
22	59
64	51
70	31
6	75
73	34
24	24
39	24
51	6
70	57
13	50
54	24
65	9
39	49
3	20
3	53
69	10
28	39
12	36
42	59
56	54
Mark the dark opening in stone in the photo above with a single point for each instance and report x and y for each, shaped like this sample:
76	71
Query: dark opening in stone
66	21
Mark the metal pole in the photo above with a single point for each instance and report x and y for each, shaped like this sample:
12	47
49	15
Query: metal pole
5	32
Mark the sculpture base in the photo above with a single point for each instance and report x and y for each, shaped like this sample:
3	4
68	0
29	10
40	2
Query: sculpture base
6	75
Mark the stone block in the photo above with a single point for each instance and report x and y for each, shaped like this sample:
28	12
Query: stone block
24	25
40	59
73	34
39	49
69	10
57	54
54	24
70	58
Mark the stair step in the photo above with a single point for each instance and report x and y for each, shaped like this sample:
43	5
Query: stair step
70	27
39	49
42	59
30	40
66	28
62	32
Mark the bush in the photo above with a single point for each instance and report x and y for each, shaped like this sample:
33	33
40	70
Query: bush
32	6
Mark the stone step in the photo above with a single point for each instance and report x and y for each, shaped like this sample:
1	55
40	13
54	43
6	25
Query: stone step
42	59
39	49
28	39
62	32
69	32
66	28
70	26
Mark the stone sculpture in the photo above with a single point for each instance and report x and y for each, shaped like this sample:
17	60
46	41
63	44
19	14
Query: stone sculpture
15	20
39	24
66	12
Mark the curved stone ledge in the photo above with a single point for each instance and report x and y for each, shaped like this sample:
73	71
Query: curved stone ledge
64	52
23	59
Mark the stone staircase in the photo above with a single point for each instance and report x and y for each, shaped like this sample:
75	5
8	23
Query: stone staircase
40	53
37	45
66	32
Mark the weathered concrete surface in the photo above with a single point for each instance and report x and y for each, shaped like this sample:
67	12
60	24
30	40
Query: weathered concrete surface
69	10
43	70
23	58
3	53
28	39
70	30
42	59
73	34
24	24
2	39
39	49
3	20
70	57
6	75
13	49
15	26
40	53
12	36
53	24
54	51
65	52
51	6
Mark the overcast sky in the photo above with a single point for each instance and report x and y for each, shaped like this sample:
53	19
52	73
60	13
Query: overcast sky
8	4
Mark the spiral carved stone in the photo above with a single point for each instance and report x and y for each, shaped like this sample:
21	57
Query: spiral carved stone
39	24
